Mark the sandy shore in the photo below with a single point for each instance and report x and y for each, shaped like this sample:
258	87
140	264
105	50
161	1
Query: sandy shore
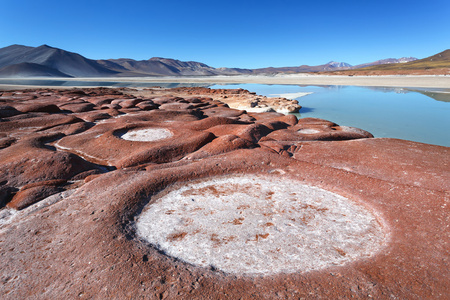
424	81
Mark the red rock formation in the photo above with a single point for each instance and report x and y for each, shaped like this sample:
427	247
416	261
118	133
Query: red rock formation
75	233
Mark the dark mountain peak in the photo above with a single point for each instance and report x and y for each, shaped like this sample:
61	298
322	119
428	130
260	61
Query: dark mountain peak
45	46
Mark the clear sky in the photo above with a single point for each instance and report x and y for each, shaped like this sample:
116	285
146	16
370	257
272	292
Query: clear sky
245	33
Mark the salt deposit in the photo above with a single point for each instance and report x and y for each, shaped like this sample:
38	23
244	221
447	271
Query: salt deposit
147	135
309	131
292	96
259	225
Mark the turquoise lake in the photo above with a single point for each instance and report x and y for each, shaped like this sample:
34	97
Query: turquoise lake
421	115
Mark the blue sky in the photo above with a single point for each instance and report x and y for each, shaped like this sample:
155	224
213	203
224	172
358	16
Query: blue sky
246	34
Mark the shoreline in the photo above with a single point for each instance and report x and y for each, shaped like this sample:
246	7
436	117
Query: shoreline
417	81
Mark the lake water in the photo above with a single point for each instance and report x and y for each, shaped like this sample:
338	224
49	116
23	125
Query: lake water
421	115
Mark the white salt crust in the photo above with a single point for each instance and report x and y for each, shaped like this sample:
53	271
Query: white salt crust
259	225
147	135
292	96
309	131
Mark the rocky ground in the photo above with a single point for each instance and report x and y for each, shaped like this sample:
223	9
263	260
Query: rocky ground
79	167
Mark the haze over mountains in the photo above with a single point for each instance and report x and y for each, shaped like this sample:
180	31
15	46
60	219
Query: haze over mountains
45	61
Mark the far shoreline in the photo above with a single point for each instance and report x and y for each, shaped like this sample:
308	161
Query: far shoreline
413	81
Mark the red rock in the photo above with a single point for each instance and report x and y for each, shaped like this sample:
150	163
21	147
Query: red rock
91	177
315	121
220	145
309	132
8	111
281	122
126	153
100	100
110	106
37	107
147	105
84	175
127	103
166	151
252	132
223	112
29	161
93	116
6	142
75	128
176	106
54	182
29	196
77	107
19	97
211	122
6	194
37	122
158	116
375	158
96	222
193	100
164	100
84	244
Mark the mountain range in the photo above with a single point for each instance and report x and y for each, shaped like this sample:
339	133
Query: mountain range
45	61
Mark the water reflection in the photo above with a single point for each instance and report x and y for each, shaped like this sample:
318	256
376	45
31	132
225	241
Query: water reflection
438	95
306	110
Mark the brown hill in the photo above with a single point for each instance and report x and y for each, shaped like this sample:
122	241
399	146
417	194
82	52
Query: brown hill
436	64
440	60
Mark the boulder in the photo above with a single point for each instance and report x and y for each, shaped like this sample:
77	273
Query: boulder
77	107
37	107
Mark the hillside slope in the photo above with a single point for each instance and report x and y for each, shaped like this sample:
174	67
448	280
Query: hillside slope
29	70
437	61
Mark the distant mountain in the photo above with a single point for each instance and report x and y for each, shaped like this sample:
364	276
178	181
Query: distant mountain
24	61
386	61
158	66
338	65
68	63
437	61
331	66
